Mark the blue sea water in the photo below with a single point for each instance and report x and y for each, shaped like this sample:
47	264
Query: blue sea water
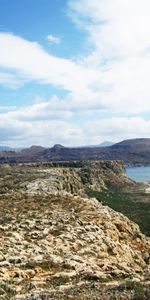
139	173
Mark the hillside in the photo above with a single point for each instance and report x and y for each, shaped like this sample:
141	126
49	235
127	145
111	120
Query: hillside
142	143
73	177
56	244
133	152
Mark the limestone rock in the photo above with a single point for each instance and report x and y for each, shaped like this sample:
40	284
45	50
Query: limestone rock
94	175
63	237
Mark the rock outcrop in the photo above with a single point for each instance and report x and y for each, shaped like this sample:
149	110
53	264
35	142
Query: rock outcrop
55	244
51	243
80	176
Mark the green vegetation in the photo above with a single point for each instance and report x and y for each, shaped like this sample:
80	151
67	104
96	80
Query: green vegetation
131	204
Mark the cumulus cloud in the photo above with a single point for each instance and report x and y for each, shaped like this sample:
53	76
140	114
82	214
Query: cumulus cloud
117	128
113	78
119	33
42	123
117	28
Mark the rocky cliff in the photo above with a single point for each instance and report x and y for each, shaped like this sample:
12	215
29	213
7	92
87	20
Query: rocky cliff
77	177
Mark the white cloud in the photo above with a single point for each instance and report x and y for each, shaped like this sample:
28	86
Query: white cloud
9	80
43	123
116	129
119	33
114	78
118	28
42	111
53	39
34	63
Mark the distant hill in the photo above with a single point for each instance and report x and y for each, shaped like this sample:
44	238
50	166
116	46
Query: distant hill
134	143
132	152
33	149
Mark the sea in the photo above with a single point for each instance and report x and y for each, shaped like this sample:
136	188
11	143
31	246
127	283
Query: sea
141	173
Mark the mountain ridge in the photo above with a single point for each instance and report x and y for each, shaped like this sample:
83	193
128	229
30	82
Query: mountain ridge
131	151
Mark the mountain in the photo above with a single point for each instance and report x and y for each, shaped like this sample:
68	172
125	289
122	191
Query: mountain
142	144
33	149
132	152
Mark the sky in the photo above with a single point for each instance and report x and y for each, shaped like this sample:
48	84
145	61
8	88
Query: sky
74	72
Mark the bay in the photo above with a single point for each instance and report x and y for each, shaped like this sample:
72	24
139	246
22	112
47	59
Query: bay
141	173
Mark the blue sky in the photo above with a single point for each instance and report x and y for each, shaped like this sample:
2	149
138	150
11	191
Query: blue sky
34	20
74	72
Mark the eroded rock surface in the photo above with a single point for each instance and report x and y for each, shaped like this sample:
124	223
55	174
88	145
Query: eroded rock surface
48	244
55	244
94	175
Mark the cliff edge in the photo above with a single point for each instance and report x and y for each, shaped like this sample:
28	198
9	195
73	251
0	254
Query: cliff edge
77	177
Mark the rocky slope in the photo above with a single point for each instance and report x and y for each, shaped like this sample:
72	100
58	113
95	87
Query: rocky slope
77	177
56	245
73	177
63	240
